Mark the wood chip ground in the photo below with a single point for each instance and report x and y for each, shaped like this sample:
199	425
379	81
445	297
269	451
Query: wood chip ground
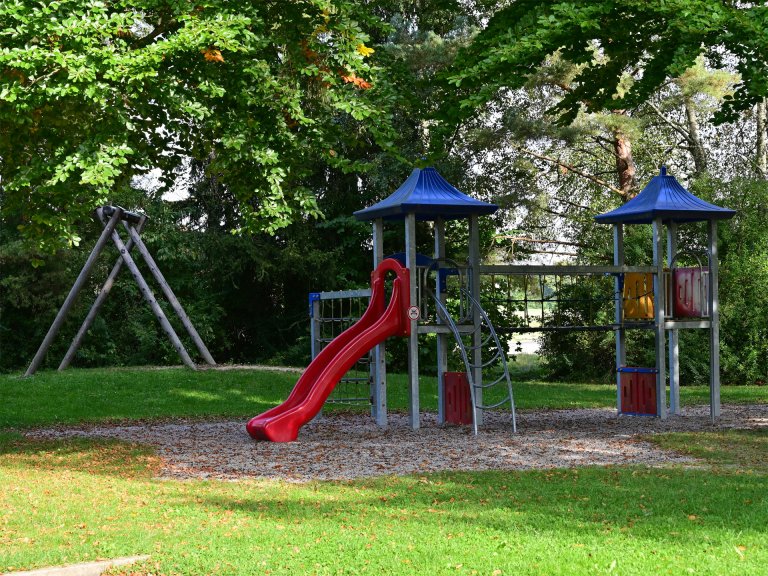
347	446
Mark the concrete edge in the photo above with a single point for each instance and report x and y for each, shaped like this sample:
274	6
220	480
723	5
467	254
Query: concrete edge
83	569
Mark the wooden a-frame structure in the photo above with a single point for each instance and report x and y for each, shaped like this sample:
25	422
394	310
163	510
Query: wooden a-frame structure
133	223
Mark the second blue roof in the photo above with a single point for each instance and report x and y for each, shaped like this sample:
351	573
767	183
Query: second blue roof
664	197
429	196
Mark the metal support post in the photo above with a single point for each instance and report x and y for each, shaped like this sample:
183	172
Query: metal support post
714	325
413	339
442	344
658	298
621	339
74	291
175	304
674	334
379	368
98	303
149	296
477	337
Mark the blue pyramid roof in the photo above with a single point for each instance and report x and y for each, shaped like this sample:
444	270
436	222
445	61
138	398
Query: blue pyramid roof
665	198
428	195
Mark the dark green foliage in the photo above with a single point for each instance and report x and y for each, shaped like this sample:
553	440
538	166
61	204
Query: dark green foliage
743	279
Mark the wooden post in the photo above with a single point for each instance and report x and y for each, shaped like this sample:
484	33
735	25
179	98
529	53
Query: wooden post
379	384
674	334
97	304
413	339
621	347
714	325
74	291
175	304
146	291
442	346
477	337
658	299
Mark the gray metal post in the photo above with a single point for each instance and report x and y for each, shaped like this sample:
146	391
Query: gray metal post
621	339
315	335
314	328
477	337
379	385
97	304
674	334
73	292
714	325
175	304
413	340
658	299
146	291
442	345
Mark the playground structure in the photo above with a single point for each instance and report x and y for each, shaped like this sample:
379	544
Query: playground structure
681	297
109	217
639	296
420	301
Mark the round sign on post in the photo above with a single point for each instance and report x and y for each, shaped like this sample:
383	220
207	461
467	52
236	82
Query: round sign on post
413	313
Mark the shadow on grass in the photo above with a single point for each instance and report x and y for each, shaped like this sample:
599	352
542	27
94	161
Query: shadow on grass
103	457
660	507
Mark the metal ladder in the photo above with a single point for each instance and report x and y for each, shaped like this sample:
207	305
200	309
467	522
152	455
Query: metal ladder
488	340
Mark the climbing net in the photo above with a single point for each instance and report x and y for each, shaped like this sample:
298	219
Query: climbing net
332	313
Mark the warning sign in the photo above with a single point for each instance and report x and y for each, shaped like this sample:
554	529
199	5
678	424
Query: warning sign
413	313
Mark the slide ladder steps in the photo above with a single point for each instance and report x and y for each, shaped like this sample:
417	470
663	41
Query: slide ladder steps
489	341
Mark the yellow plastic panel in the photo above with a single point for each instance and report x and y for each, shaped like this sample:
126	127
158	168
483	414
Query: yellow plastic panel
638	296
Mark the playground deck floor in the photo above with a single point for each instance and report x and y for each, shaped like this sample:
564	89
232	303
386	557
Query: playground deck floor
347	446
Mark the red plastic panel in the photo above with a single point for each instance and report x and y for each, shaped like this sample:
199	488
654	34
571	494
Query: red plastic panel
638	390
627	398
689	295
645	387
457	401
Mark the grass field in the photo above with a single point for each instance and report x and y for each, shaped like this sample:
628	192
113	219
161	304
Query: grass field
77	500
117	394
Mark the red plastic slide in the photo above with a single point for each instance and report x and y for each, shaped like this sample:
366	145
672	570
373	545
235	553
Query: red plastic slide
282	423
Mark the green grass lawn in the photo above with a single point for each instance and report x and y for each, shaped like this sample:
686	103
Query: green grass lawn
73	501
78	500
115	394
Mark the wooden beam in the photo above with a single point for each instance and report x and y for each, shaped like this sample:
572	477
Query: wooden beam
149	296
74	291
97	304
658	299
714	326
165	287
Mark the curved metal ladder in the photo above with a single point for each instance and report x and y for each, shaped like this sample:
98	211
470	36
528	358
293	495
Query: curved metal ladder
498	358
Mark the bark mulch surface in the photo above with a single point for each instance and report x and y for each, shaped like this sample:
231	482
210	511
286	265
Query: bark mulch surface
346	446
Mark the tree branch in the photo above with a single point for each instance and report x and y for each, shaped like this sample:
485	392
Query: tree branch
538	241
571	168
674	125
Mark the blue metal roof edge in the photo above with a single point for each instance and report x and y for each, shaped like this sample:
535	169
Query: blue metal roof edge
664	197
429	196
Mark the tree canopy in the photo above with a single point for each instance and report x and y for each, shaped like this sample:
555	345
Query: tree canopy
625	50
94	94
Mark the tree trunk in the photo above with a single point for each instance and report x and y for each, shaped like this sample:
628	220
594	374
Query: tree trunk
625	165
694	140
762	135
